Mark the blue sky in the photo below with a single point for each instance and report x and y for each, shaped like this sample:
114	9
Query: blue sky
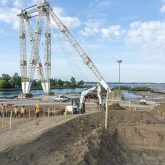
131	30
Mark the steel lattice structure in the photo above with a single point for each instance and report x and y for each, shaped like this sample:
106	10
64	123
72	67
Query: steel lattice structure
45	13
34	36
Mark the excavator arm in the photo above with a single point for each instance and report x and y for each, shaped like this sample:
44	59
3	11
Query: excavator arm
86	92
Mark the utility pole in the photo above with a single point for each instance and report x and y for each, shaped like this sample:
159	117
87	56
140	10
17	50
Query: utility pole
119	62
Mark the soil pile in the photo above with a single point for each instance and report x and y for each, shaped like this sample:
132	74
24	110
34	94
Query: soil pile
84	141
159	110
115	106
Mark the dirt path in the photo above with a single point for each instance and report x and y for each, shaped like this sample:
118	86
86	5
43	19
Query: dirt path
27	130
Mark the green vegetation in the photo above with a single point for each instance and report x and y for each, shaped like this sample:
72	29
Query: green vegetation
128	88
14	83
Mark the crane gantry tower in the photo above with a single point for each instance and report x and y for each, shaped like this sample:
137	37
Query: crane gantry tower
26	33
45	13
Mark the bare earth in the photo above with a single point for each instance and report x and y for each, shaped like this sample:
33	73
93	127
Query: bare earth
133	138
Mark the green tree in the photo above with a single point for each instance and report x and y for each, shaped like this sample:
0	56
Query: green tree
6	77
73	81
80	83
60	82
34	83
11	83
17	80
67	83
3	83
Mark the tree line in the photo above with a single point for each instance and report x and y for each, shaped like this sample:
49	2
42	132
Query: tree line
7	82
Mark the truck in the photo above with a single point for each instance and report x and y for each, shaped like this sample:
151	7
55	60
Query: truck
60	98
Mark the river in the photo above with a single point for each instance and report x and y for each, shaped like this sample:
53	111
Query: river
10	94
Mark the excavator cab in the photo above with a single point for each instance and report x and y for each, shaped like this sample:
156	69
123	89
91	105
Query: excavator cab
74	107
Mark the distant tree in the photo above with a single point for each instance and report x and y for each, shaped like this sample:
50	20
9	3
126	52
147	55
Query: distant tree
80	83
34	83
6	77
17	80
60	82
67	83
73	81
3	84
11	83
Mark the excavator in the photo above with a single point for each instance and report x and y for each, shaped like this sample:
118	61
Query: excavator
78	104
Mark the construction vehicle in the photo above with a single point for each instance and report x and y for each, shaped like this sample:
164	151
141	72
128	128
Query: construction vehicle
143	101
78	104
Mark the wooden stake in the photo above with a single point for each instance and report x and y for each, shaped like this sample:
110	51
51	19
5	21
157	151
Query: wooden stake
44	111
54	111
29	113
10	118
158	112
129	105
65	113
48	112
106	112
163	114
2	121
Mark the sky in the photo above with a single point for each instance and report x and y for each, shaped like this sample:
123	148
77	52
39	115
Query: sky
108	30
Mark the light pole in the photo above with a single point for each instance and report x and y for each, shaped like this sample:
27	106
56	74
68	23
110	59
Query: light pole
119	62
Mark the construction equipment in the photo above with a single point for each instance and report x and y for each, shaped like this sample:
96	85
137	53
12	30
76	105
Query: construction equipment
27	70
44	9
78	104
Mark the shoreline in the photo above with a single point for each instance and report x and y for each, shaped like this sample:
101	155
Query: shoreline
40	88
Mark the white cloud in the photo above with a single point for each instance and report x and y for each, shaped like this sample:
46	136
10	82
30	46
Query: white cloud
162	9
92	28
4	2
150	37
112	31
17	4
104	4
9	16
68	21
96	28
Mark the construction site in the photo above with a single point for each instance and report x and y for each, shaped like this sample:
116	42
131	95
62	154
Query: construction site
94	127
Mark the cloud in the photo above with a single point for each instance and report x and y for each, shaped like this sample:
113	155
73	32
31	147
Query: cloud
100	4
104	4
8	14
97	28
4	2
112	31
91	28
162	9
68	21
149	36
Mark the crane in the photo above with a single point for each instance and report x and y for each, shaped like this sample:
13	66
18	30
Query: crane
77	47
34	63
42	9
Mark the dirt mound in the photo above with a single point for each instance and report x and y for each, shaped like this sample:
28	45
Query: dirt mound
83	140
116	106
159	110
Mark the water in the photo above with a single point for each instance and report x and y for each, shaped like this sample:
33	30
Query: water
128	95
10	94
